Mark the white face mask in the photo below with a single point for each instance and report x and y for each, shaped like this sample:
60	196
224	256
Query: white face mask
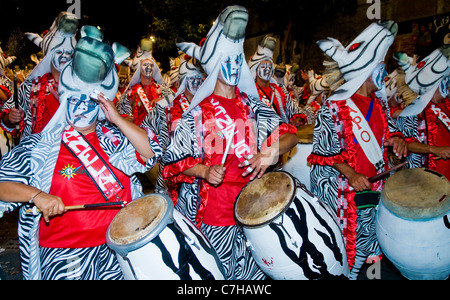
444	86
147	68
265	70
230	68
61	57
193	83
378	76
82	111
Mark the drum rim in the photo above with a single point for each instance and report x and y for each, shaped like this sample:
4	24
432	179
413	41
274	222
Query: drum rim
124	249
403	212
277	215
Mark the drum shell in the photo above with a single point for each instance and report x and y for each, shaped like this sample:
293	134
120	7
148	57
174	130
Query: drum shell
295	162
266	244
178	252
419	249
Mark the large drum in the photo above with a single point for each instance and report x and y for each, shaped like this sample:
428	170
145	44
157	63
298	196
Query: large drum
291	234
295	161
154	241
412	223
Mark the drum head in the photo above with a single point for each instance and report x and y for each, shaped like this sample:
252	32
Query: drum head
305	134
263	200
139	222
417	194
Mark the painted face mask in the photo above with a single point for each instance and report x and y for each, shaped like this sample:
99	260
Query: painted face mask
82	111
230	68
61	57
193	83
378	76
146	68
444	86
265	70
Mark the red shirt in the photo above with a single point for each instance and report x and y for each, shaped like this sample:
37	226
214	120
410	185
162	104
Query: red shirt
137	106
221	199
364	166
438	135
79	228
47	102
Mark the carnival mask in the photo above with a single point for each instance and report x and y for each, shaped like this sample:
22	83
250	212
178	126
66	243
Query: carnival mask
378	76
230	68
265	70
82	111
193	83
61	57
147	68
444	86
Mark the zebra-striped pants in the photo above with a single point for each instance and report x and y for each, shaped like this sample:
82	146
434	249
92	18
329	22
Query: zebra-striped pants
229	243
96	263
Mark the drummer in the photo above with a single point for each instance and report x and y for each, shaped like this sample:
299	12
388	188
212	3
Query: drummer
351	139
226	104
53	169
262	67
429	123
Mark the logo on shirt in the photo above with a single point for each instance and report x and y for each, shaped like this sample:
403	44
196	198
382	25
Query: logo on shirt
69	171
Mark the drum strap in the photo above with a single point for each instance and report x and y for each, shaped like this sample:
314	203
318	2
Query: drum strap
95	166
442	116
143	97
365	136
367	199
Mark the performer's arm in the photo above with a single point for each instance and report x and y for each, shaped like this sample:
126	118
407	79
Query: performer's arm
269	156
136	135
48	204
213	174
442	152
359	182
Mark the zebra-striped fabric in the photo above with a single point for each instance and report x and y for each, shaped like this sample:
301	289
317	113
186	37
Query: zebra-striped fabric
229	243
333	140
24	104
25	163
95	263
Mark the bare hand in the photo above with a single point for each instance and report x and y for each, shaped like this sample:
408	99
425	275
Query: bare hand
359	182
49	205
108	107
442	152
215	174
15	116
399	146
257	164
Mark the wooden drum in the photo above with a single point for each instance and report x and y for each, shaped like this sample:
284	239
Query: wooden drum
152	240
291	234
412	223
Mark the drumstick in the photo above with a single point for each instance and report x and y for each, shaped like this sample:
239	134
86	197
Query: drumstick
387	172
229	142
83	206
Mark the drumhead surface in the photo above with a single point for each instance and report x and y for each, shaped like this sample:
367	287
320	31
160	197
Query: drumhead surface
137	219
305	134
263	199
417	194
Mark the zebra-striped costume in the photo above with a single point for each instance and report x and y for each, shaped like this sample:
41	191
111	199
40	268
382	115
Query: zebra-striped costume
185	150
334	142
32	163
425	128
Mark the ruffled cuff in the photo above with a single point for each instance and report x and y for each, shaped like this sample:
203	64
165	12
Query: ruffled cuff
316	159
174	172
6	90
303	117
13	131
275	136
